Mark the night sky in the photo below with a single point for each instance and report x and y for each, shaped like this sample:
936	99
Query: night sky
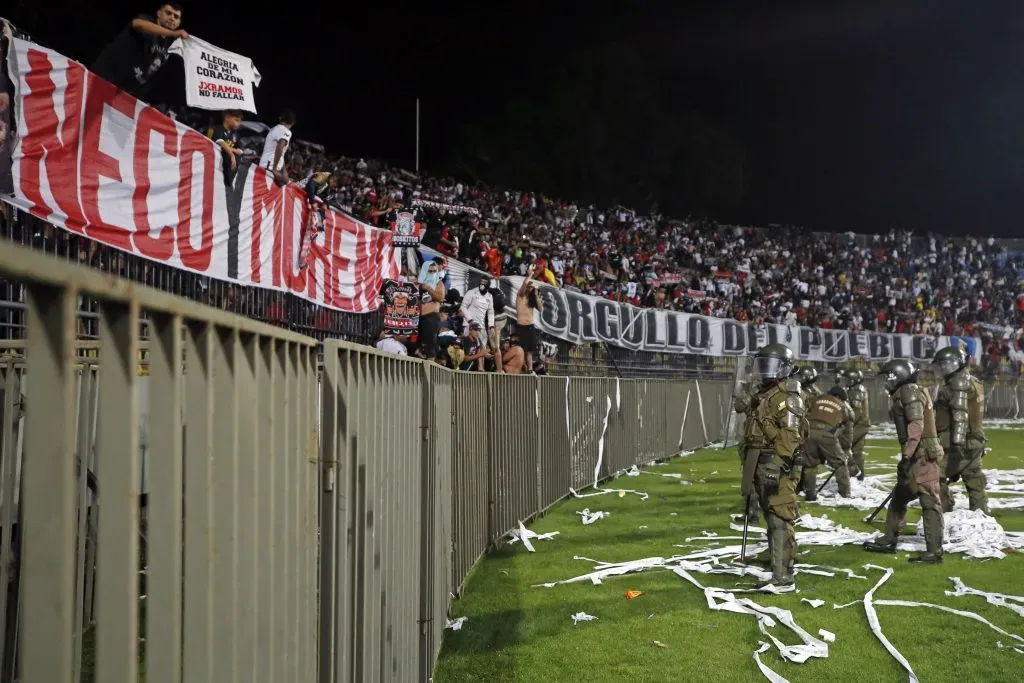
859	115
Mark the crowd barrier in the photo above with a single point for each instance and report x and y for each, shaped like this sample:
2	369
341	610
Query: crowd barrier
219	504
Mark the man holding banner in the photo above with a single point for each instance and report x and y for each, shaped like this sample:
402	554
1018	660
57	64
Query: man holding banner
140	50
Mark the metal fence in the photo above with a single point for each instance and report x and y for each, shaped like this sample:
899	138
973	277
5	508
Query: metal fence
423	469
170	511
212	574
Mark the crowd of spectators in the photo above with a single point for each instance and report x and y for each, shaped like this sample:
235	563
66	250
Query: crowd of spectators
893	282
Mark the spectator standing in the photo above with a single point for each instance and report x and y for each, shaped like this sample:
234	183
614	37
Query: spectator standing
139	51
500	316
276	145
226	137
432	293
478	308
527	301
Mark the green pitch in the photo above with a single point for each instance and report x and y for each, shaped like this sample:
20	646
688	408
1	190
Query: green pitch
517	632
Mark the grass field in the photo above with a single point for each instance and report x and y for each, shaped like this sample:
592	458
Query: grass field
517	632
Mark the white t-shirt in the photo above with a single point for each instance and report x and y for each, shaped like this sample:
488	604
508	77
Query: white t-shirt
278	132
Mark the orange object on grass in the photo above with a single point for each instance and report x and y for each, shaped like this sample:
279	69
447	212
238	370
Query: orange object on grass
633	594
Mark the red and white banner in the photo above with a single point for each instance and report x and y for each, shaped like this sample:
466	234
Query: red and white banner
101	164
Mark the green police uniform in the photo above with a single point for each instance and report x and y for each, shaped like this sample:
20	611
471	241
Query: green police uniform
780	425
918	474
862	422
959	415
749	447
829	419
780	415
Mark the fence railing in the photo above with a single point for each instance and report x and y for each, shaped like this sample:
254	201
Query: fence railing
210	505
212	575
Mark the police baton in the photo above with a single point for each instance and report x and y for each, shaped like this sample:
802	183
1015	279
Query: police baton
746	525
867	520
831	474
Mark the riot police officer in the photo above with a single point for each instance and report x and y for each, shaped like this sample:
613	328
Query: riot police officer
858	399
779	427
830	419
917	475
808	376
959	415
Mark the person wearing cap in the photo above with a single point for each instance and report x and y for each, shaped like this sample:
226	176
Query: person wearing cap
474	349
226	136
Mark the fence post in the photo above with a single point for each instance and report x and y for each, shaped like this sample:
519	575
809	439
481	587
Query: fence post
328	511
540	443
428	546
492	523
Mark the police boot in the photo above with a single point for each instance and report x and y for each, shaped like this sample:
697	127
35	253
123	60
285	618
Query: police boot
810	484
879	546
782	578
782	585
927	558
886	543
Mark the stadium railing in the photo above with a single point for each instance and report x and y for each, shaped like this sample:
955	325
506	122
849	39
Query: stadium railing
210	503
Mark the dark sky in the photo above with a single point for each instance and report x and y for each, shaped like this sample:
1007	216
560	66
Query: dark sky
853	115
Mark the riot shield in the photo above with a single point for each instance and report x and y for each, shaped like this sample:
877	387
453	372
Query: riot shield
735	422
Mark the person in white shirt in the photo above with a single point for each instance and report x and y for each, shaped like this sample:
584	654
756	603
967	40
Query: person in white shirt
276	144
478	307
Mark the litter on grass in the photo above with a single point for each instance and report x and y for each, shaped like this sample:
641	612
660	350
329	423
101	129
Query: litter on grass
1014	603
970	533
455	624
582	616
589	517
767	617
876	626
601	492
526	535
869	609
1005	489
1016	648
